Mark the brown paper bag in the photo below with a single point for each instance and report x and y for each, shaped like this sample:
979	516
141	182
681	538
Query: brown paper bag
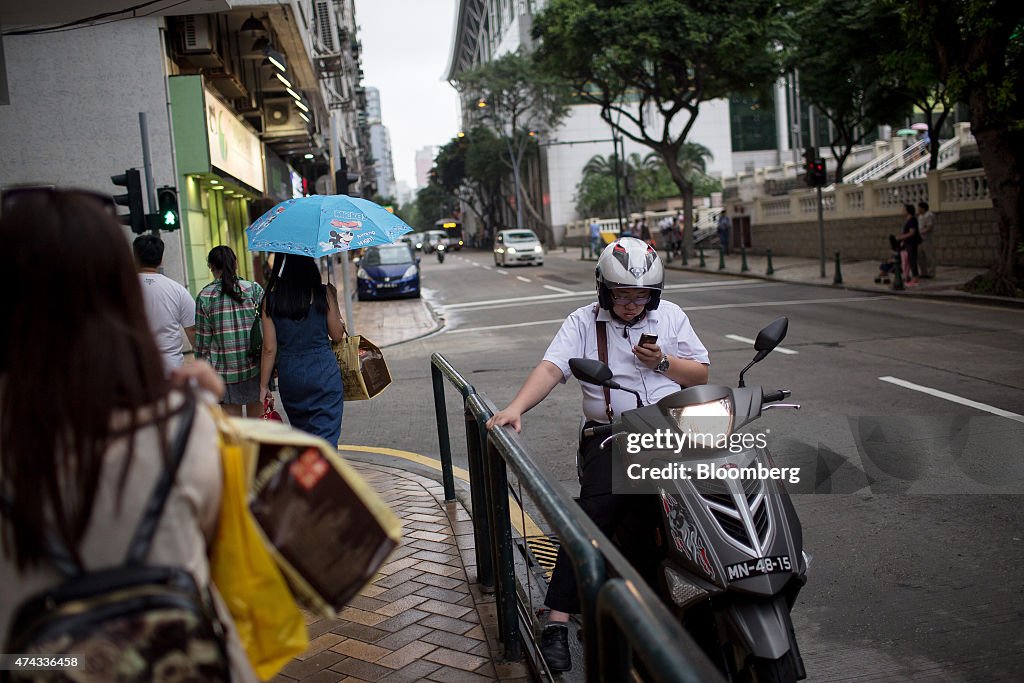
327	529
364	372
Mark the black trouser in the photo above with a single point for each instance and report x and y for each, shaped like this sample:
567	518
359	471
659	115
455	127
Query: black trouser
912	258
604	508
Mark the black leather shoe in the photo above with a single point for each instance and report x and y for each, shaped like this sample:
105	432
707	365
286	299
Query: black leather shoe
554	646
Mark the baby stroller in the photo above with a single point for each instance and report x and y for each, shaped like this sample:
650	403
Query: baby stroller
892	267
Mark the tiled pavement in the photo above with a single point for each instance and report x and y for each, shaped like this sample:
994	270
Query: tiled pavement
421	618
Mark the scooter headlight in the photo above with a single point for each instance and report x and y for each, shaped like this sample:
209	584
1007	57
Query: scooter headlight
704	419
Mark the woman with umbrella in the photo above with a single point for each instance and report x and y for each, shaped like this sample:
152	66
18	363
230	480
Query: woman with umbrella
300	319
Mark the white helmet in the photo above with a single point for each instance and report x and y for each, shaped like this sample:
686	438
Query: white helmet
629	262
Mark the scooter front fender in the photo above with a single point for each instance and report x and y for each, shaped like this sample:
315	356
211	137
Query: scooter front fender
762	627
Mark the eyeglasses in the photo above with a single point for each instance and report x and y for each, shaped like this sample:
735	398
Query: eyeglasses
638	300
13	195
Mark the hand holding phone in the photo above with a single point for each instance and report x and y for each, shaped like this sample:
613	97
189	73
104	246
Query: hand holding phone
648	339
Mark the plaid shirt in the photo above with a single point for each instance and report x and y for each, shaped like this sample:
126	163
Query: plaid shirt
222	330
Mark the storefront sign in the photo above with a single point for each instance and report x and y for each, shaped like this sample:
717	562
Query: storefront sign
233	148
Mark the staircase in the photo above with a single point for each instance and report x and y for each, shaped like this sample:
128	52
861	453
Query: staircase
949	154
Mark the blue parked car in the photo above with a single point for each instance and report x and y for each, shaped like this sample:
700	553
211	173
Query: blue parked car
388	271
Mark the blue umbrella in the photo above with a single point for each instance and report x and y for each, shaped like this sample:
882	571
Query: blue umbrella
324	224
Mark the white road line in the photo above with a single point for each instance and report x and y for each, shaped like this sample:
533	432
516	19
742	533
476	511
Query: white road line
558	289
501	272
589	293
486	267
691	308
745	340
952	397
522	279
503	327
473	262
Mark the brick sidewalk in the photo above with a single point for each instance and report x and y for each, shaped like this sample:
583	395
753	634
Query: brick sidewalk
420	618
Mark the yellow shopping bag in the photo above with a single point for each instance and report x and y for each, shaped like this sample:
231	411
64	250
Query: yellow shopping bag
270	625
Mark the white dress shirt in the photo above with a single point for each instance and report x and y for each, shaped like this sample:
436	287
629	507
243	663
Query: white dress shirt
577	338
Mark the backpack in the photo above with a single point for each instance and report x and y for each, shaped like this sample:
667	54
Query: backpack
131	622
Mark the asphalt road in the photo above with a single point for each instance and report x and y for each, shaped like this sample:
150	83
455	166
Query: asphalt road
912	488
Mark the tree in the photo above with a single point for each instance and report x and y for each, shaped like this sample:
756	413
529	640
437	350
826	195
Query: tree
470	170
843	78
645	62
979	51
517	103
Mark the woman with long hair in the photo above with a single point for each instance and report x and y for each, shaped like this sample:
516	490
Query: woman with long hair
909	240
225	312
86	411
300	319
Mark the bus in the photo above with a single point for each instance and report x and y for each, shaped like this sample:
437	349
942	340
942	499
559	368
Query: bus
453	231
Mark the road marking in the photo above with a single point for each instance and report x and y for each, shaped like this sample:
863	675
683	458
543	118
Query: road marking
486	267
689	308
952	397
589	293
522	279
745	340
515	513
504	327
558	289
501	272
473	262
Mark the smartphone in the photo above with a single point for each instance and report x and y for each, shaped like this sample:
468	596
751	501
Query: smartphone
648	339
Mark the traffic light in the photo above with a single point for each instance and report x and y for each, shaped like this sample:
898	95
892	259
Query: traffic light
167	212
818	174
810	156
136	216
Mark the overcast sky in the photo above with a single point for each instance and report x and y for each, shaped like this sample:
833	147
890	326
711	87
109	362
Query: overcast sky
405	55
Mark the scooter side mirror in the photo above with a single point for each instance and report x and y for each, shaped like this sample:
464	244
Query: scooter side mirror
767	339
590	371
772	335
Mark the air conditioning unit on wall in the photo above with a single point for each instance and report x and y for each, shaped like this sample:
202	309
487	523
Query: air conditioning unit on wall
327	25
196	34
281	118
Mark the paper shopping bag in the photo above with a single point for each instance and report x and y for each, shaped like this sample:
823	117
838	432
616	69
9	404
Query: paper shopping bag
269	623
364	372
328	530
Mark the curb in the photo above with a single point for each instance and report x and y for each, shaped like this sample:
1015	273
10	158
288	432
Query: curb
439	324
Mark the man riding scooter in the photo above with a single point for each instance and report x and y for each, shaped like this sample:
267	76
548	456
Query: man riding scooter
651	348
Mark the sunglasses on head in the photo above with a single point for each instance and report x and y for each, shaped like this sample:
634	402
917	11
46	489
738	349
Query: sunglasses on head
13	195
638	300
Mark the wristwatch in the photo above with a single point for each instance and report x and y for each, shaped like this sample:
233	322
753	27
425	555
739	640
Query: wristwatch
662	366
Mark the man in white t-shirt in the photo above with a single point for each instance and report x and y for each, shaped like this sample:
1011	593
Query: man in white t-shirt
630	278
169	307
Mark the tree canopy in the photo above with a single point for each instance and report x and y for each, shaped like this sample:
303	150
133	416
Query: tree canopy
651	64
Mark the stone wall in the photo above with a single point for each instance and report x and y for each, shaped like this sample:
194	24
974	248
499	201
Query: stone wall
962	238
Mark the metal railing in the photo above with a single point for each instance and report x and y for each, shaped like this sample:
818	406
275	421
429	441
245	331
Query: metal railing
621	616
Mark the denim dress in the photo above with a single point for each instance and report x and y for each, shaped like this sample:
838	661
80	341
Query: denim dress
308	376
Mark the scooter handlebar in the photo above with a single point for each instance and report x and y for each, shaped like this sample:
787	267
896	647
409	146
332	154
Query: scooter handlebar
600	431
776	395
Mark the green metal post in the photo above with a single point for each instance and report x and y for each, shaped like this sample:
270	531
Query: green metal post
443	442
504	560
897	282
702	263
743	254
770	271
838	278
721	258
686	261
476	445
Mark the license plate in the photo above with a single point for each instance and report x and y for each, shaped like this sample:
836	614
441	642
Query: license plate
777	564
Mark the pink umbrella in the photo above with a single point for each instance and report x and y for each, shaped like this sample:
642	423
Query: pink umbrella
920	126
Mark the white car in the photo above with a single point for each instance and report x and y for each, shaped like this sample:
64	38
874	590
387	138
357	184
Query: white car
517	246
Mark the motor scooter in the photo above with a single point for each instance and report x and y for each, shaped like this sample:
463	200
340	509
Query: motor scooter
720	541
439	250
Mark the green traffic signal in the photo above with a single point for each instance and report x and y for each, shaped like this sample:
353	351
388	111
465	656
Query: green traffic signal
167	203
